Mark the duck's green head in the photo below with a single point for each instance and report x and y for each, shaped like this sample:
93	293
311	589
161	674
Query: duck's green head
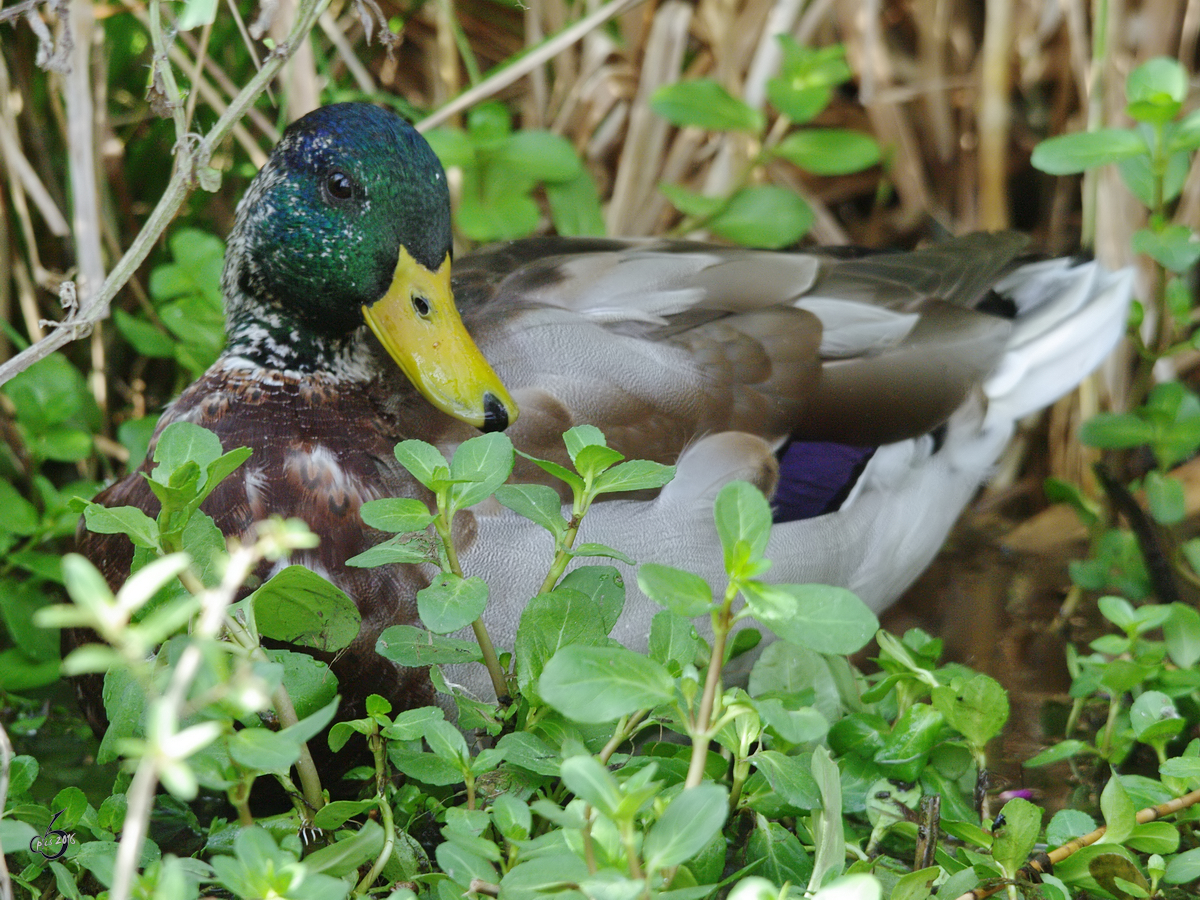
349	222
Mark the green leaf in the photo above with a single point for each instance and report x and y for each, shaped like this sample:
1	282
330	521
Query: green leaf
264	750
62	445
818	616
19	602
536	502
548	623
416	647
1155	837
1154	718
502	215
20	516
1116	431
673	641
401	515
181	443
743	517
127	520
799	103
689	822
146	338
1013	842
1155	90
587	779
452	146
1183	868
400	550
1181	632
481	464
308	680
345	857
422	461
1174	246
681	592
575	206
50	392
1071	153
512	817
1068	824
1120	817
635	475
489	123
1187	134
451	602
782	857
906	749
528	751
1143	179
1059	752
789	777
827	825
795	726
426	767
299	606
594	459
540	154
829	151
977	710
602	584
581	436
592	549
703	103
447	742
690	203
601	684
763	216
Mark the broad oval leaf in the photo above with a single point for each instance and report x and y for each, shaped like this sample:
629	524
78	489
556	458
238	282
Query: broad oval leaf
481	464
399	514
416	647
817	616
705	104
1068	154
742	515
422	460
299	606
601	684
541	154
829	151
689	822
451	602
537	502
763	216
681	592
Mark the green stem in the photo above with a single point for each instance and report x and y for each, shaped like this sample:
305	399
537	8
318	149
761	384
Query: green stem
385	815
563	557
495	671
702	725
625	728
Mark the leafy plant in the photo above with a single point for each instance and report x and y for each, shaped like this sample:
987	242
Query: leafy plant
500	169
765	215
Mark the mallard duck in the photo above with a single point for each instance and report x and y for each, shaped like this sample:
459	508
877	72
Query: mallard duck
867	393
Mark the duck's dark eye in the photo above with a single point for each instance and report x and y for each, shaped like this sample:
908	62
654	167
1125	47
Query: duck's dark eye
339	185
421	305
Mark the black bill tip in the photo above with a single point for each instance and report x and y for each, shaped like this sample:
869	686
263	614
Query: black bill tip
495	413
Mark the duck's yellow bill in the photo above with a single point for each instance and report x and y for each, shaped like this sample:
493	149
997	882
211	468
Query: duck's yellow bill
419	325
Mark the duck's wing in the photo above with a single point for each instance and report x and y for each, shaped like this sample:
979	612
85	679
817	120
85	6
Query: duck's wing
656	343
661	342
